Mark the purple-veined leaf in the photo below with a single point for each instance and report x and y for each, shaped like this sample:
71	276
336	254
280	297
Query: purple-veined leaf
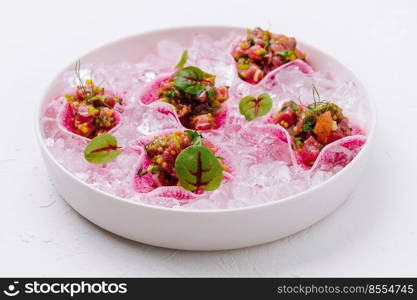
102	149
197	168
192	80
253	108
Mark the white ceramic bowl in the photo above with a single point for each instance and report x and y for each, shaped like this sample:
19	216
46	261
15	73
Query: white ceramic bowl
199	229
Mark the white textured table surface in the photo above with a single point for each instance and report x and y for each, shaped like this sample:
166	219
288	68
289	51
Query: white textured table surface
373	234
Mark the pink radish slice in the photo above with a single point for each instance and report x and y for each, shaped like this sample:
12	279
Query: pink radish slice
339	153
269	129
149	92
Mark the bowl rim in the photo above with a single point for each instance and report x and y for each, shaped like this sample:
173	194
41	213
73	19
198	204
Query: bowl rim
365	148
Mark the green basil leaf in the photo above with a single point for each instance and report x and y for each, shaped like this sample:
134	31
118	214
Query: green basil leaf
192	80
198	168
102	149
253	108
183	60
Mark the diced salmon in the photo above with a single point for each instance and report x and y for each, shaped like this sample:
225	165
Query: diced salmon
323	127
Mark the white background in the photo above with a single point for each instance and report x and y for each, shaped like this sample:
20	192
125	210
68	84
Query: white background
373	234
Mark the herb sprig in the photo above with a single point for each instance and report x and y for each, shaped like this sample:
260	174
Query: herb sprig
78	75
183	60
318	106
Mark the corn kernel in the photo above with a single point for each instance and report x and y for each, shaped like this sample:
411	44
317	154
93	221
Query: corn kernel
92	111
284	124
84	129
260	51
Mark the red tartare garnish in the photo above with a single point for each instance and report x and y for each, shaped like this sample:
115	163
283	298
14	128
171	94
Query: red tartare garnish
313	126
92	110
195	97
261	51
163	152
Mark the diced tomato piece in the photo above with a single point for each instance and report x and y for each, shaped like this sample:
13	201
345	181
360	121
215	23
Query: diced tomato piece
202	122
260	42
286	117
79	94
277	61
254	52
110	102
238	52
254	74
342	130
310	150
79	119
335	135
222	93
275	47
